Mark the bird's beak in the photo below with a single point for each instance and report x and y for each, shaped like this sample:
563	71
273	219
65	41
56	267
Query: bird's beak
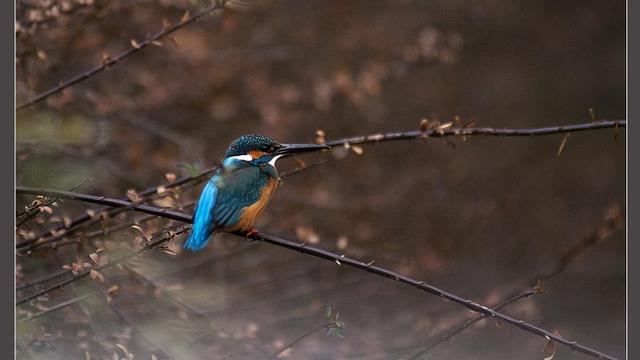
289	149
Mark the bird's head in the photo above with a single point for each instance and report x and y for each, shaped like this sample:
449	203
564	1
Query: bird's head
259	150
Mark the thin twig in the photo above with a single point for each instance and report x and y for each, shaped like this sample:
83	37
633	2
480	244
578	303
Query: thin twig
611	222
308	250
164	237
89	235
135	48
470	322
471	131
297	340
60	231
33	209
60	306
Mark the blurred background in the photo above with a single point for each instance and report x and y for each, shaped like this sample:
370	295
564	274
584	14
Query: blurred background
480	218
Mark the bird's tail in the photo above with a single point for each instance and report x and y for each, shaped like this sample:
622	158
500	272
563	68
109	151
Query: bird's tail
202	219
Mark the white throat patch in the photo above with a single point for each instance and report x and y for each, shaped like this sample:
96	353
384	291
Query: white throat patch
242	157
275	158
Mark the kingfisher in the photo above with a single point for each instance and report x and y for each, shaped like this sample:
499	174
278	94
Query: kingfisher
241	188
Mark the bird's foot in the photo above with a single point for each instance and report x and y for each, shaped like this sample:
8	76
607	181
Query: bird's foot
252	233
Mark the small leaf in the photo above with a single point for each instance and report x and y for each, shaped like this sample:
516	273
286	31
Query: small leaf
171	177
112	292
173	40
135	44
95	275
185	16
156	43
424	125
133	196
320	136
126	352
445	126
161	190
106	58
358	150
307	235
549	349
563	143
168	251
95	258
165	23
76	268
46	209
342	242
593	114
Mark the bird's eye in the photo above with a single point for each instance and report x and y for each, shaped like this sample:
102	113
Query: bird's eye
274	147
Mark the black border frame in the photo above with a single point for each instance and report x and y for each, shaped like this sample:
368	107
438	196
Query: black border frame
7	210
633	178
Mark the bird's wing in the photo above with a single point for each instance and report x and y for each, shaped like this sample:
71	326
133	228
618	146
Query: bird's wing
238	190
203	217
222	201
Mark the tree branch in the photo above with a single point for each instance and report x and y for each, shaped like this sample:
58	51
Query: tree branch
472	131
60	231
301	248
135	48
611	222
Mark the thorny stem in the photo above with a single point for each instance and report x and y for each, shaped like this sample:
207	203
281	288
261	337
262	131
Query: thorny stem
304	249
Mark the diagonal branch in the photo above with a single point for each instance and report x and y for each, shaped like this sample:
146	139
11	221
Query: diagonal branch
137	47
162	238
304	249
58	232
612	221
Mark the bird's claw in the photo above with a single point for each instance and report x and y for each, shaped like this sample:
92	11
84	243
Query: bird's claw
252	233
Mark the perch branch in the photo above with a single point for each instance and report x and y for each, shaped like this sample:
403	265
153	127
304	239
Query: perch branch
304	249
60	231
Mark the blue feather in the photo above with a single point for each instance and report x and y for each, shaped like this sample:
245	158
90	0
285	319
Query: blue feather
203	218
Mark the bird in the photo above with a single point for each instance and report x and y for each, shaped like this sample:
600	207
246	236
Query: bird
240	189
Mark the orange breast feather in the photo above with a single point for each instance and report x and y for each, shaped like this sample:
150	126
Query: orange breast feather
251	213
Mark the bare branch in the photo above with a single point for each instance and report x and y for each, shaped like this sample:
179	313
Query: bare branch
160	239
304	249
611	222
60	231
111	61
471	131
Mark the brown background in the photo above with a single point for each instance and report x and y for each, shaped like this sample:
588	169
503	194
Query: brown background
477	220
